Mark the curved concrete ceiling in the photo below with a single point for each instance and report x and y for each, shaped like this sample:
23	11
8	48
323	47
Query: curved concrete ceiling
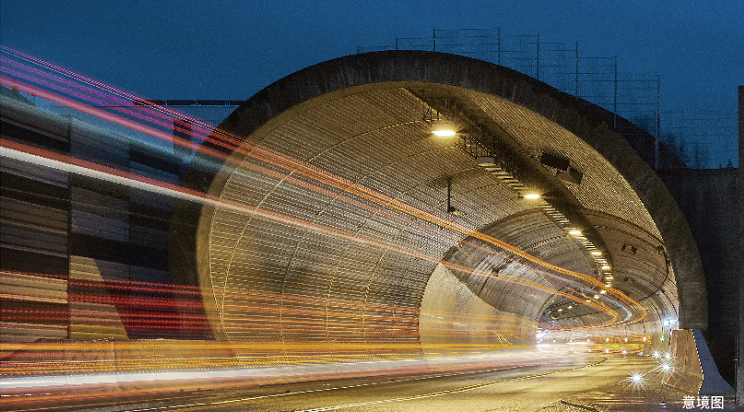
334	222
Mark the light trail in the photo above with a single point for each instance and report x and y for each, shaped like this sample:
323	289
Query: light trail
71	165
295	308
153	385
324	184
159	356
120	177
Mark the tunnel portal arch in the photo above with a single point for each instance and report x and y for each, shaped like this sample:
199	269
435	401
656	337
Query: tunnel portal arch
328	241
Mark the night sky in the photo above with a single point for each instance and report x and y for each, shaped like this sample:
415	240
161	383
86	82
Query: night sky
178	49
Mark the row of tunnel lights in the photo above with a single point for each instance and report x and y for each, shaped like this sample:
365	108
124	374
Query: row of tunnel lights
670	322
444	128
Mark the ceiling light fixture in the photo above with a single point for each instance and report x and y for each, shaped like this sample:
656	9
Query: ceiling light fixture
443	128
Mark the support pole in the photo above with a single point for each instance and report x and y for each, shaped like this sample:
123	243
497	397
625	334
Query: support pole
740	345
576	79
657	123
614	103
537	58
499	52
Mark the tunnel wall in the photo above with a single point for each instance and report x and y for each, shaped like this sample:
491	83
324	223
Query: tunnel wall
453	319
687	374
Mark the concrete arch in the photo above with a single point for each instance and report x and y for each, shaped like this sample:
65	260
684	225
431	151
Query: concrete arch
407	76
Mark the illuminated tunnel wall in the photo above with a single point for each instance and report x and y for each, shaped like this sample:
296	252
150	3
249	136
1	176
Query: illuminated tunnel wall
333	223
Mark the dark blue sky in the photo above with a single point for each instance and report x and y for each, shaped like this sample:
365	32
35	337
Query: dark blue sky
224	49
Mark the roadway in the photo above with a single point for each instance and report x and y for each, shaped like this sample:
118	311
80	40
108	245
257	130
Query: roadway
592	382
548	383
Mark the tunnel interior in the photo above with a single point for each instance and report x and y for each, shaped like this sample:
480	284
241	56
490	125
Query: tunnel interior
342	219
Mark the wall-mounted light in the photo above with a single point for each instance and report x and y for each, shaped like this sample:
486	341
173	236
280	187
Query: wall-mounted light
574	232
531	196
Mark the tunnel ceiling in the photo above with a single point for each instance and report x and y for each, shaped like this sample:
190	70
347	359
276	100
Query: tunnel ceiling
334	219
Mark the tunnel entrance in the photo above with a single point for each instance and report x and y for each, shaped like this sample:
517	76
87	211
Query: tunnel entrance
342	217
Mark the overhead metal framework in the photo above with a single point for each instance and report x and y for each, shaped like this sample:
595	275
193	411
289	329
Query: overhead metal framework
335	218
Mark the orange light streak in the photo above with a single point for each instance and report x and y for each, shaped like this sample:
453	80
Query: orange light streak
201	197
234	143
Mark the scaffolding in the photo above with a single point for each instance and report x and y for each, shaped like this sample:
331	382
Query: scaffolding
704	140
